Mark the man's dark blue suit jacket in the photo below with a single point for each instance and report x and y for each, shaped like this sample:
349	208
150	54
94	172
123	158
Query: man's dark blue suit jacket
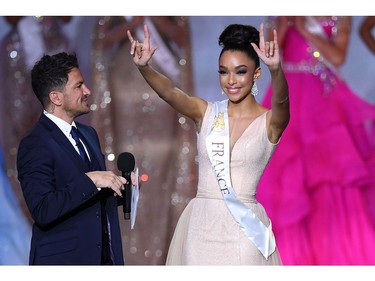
62	200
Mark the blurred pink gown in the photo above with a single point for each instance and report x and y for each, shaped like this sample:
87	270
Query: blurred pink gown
319	185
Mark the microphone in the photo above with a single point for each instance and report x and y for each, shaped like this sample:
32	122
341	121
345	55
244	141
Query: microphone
126	163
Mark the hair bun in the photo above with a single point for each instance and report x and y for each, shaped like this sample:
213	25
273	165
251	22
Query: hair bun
238	34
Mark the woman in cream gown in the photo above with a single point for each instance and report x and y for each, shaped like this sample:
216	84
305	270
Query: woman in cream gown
225	224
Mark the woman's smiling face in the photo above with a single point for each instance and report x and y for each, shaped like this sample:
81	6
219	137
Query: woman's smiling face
236	74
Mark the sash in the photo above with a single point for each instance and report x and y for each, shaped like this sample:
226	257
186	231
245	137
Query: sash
218	148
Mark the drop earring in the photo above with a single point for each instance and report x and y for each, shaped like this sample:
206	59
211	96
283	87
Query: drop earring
254	89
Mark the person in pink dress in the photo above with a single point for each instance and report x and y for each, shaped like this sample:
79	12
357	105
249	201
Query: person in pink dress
319	185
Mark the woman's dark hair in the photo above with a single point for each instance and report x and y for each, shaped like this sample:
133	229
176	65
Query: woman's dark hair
50	73
237	37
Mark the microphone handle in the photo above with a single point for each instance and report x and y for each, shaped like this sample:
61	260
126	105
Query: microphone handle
127	195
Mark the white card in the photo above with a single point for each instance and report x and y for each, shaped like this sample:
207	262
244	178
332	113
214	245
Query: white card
134	199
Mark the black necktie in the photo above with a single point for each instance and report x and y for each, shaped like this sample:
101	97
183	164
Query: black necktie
75	134
106	250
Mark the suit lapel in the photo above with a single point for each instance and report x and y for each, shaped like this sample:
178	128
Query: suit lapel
58	136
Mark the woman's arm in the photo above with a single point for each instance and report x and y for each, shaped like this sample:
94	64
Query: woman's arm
365	31
279	116
142	53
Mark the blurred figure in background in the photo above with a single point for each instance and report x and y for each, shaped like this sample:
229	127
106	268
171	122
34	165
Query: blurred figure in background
15	233
129	116
28	39
314	186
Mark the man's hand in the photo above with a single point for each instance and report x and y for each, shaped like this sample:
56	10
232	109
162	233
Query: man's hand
107	179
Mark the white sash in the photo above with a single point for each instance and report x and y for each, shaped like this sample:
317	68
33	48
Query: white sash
218	148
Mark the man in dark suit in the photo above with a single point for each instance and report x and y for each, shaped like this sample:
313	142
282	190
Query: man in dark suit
70	195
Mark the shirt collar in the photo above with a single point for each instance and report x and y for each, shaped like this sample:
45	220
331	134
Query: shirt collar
62	124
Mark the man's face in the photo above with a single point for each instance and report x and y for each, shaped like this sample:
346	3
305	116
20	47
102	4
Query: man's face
75	95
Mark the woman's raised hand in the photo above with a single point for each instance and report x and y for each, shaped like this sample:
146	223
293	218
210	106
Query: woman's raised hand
141	52
268	51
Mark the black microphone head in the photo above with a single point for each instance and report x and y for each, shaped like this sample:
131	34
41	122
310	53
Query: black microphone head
126	162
